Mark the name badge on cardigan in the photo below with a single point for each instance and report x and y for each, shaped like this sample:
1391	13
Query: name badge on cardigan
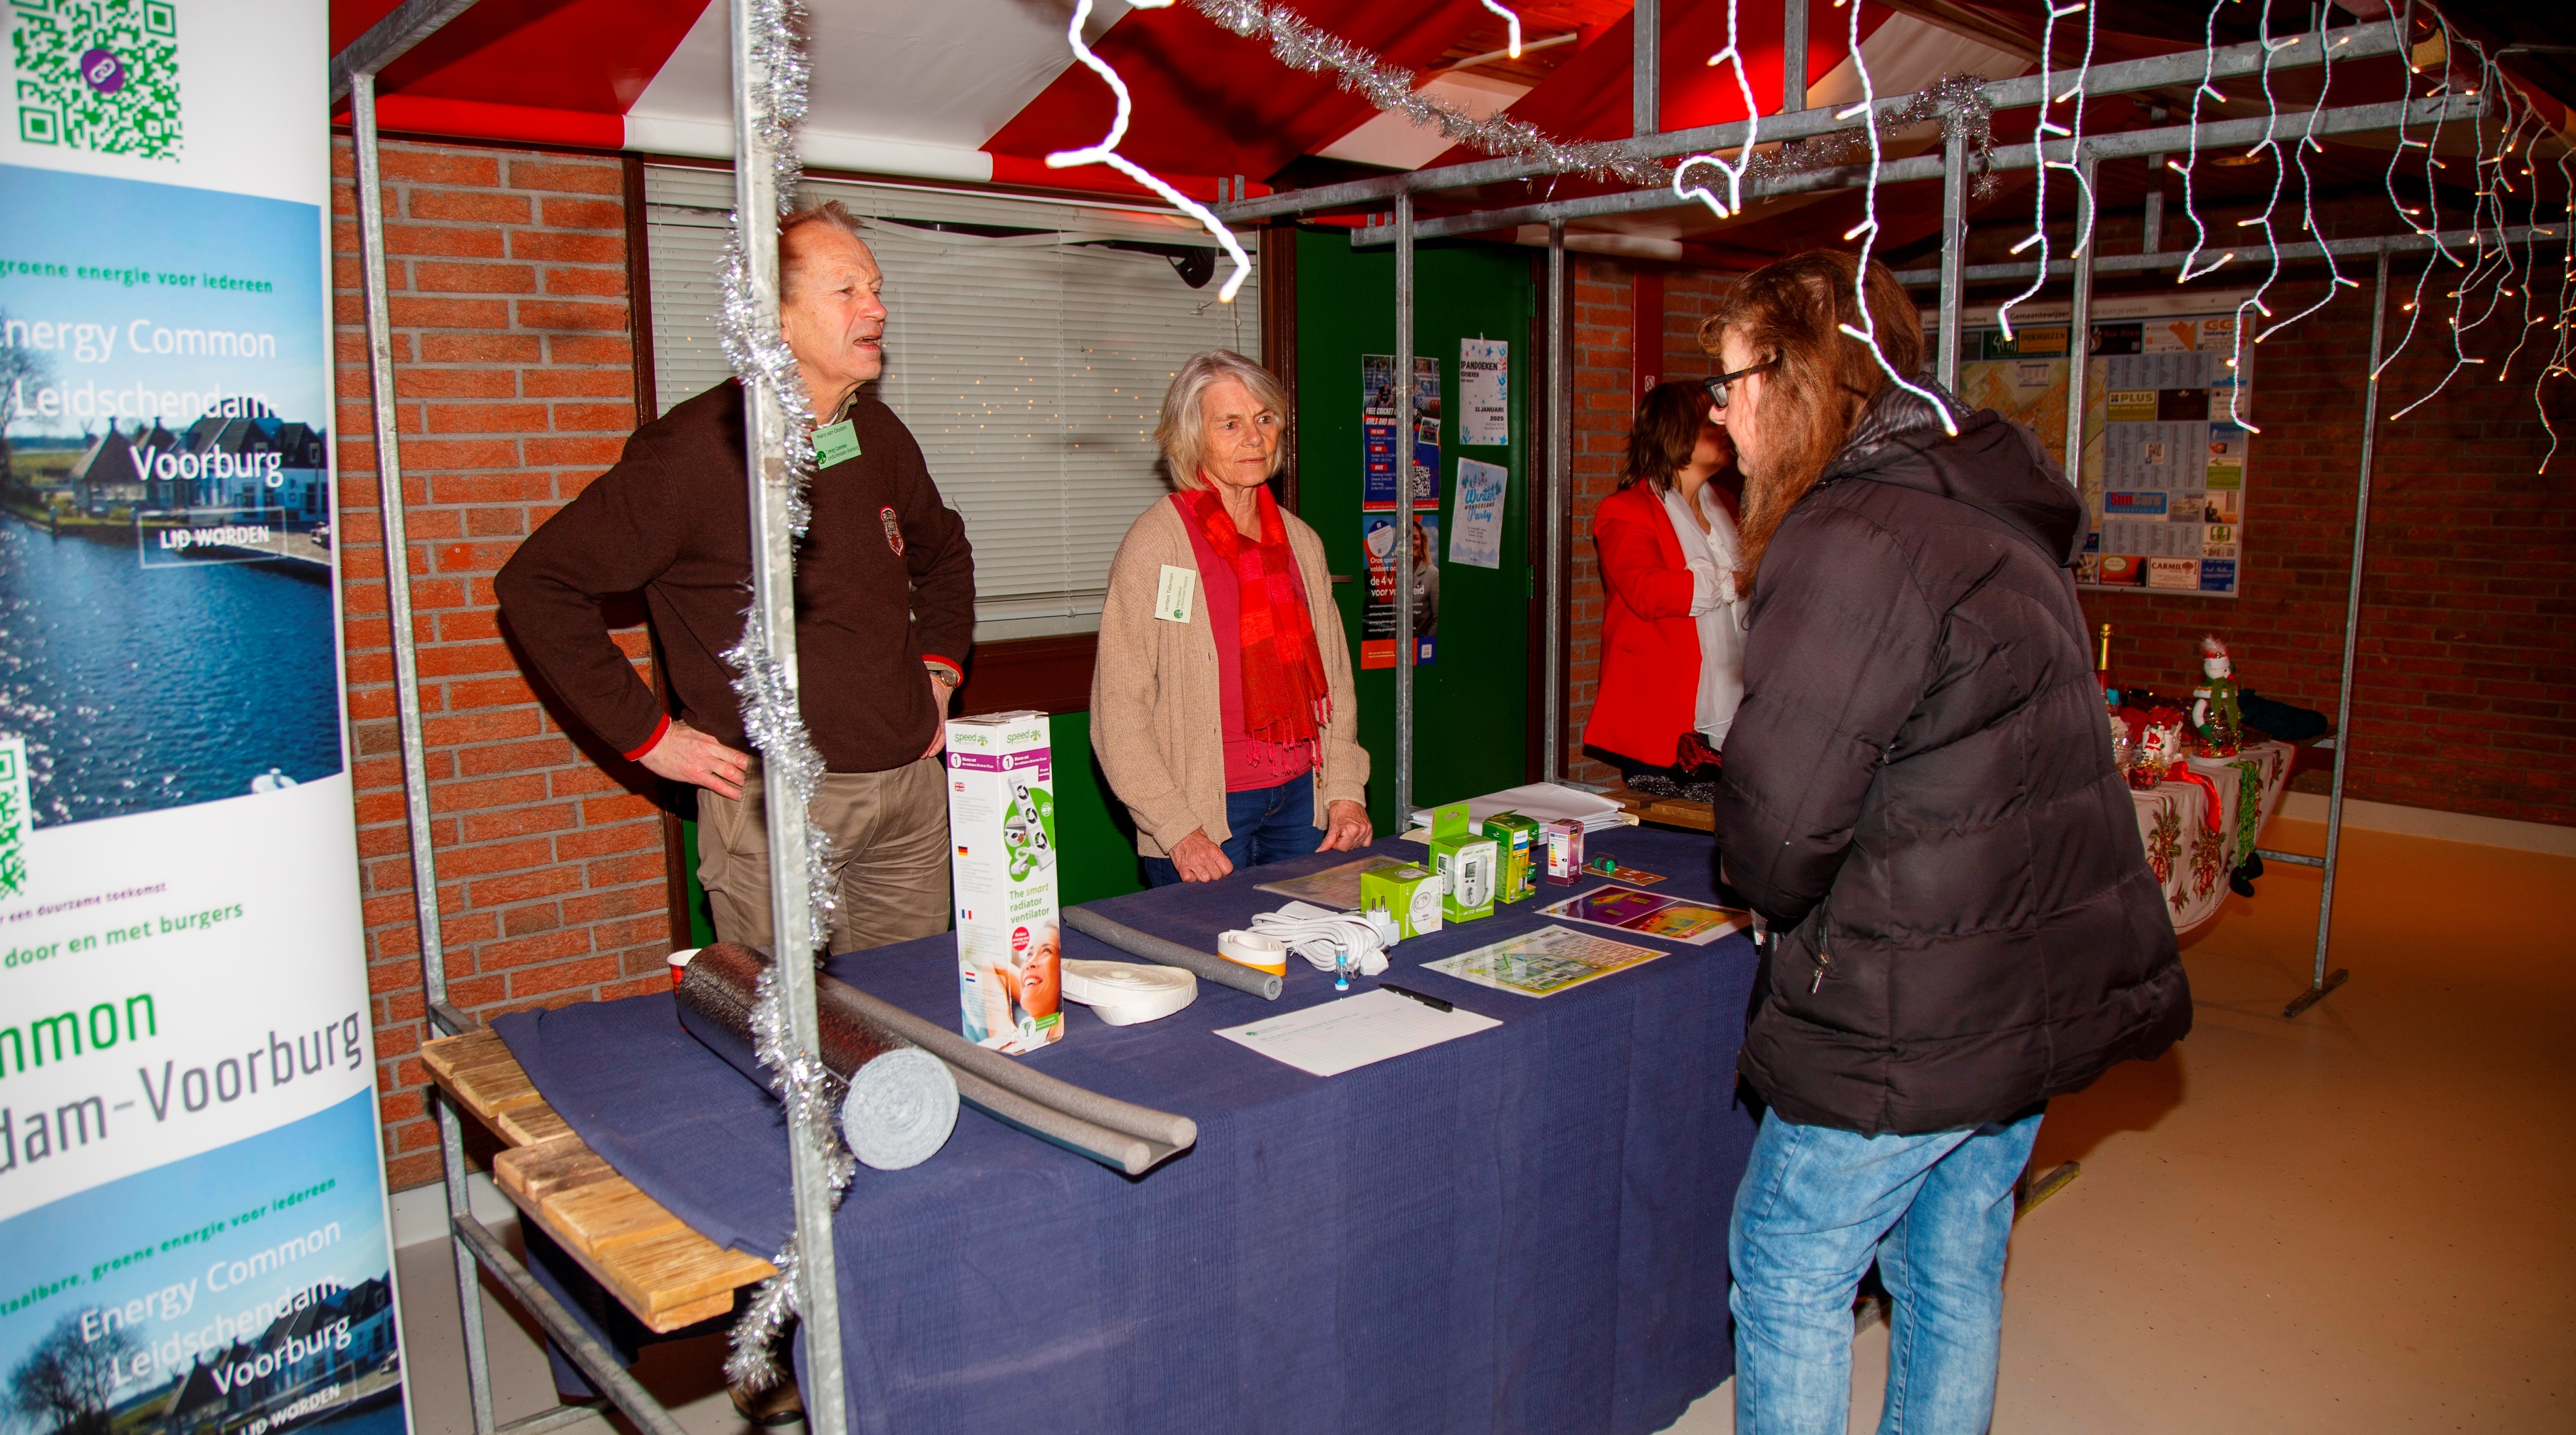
1175	594
835	443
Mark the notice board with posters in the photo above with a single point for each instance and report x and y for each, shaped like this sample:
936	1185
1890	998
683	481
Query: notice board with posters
2164	464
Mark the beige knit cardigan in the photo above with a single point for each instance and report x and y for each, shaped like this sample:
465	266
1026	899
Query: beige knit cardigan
1154	704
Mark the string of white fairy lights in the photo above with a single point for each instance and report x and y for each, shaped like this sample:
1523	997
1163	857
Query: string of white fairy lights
1511	18
2072	164
1106	152
2253	303
2307	143
1867	233
1733	203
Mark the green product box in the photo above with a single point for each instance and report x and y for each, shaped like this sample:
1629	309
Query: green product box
1521	839
1410	894
1467	861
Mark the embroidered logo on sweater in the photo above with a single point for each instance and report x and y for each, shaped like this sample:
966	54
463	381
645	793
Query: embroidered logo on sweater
894	530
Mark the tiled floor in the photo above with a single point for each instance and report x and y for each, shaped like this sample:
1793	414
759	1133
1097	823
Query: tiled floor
2351	1222
2356	1221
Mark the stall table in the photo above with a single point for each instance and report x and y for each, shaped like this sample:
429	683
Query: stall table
1522	1229
2190	862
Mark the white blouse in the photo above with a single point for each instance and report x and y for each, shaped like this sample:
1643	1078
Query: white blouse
1713	558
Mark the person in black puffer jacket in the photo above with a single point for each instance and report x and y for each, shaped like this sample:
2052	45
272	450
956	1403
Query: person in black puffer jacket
1919	801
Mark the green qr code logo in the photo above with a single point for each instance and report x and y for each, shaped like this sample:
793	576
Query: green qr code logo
98	75
15	818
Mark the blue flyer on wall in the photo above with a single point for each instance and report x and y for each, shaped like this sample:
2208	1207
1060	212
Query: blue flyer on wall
193	1232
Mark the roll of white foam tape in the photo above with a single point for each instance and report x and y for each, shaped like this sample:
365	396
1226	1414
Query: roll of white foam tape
1269	954
1125	993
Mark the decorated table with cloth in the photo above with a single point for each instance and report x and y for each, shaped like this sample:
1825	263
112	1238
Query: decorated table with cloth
2190	859
1523	1229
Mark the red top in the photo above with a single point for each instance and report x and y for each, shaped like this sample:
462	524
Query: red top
1649	691
1250	763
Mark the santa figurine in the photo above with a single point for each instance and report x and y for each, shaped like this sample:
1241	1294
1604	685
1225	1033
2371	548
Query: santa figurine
2217	723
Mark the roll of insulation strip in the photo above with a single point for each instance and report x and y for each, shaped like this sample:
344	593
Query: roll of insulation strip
1133	1138
902	1101
1207	965
1266	954
1124	993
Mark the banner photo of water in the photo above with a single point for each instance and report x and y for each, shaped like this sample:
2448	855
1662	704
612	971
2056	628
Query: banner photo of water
194	1231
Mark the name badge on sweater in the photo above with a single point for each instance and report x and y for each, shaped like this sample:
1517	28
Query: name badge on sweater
835	443
1174	596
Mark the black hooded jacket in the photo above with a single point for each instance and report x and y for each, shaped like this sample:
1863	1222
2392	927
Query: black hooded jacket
1919	796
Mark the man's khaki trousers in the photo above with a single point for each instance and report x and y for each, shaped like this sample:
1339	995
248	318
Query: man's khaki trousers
889	834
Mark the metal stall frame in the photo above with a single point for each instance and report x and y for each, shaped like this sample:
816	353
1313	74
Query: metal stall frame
477	1248
1951	167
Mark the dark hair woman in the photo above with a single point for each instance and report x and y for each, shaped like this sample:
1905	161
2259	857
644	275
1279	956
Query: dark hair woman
1672	641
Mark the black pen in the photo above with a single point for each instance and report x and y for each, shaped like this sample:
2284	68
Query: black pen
1435	1003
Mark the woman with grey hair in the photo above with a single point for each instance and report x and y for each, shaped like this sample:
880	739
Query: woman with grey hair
1221	706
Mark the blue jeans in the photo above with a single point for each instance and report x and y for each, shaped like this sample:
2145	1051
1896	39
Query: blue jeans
1817	1205
1268	823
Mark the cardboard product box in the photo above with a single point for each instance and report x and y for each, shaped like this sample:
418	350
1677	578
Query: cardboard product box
1467	861
1565	852
1522	841
1001	828
1410	894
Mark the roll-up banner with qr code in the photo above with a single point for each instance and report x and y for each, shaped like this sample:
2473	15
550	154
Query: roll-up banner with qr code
2165	443
193	1222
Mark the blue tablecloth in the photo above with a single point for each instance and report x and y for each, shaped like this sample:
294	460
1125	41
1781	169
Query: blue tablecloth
1521	1230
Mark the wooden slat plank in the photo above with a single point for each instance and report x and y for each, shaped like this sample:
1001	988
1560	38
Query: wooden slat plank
537	1172
531	1125
679	1268
606	1214
477	1069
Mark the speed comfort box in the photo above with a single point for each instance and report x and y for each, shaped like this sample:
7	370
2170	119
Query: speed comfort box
1001	826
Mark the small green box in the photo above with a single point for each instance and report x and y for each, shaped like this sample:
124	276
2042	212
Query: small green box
1521	840
1467	862
1410	894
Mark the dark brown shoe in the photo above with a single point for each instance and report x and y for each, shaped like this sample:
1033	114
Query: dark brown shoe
780	1404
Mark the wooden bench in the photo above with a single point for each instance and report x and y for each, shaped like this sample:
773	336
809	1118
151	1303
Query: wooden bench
668	1275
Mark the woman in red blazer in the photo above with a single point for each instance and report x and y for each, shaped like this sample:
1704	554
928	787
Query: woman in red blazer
1659	715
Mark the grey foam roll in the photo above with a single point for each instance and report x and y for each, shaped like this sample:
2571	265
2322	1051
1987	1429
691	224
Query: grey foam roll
1009	1090
1207	966
900	1109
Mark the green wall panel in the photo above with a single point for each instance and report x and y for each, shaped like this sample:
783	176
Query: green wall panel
1471	704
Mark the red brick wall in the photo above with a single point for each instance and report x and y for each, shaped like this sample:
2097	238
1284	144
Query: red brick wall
1603	372
2467	672
2465	691
514	372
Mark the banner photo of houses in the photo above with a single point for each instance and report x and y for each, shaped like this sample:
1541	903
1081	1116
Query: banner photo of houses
168	496
194	1234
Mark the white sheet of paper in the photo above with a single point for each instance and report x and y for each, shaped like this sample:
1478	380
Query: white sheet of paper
1484	387
1332	1037
1477	540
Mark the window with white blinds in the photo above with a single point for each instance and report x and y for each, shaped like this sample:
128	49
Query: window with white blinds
1030	365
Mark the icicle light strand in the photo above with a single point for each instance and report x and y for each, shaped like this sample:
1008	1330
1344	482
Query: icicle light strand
2308	185
2073	163
2253	303
1867	233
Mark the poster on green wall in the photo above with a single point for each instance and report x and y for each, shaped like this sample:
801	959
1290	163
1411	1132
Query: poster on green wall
1377	621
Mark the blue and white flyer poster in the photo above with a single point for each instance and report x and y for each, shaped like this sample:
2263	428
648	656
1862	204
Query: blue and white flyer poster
193	1222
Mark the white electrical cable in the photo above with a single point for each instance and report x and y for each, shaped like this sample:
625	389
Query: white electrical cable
1320	935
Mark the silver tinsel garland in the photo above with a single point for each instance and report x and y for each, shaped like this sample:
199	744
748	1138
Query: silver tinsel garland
1300	45
1957	101
771	718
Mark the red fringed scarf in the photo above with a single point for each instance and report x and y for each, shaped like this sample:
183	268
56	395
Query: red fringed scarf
1285	699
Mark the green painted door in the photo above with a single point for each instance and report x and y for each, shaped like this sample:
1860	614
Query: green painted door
1471	702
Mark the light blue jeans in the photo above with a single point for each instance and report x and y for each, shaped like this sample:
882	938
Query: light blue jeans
1816	1207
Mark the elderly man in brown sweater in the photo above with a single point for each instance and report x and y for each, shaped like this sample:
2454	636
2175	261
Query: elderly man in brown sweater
885	598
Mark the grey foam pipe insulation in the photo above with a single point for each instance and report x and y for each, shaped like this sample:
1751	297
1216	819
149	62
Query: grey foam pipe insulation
1121	1134
1206	965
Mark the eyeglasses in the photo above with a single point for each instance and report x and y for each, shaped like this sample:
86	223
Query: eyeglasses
1717	386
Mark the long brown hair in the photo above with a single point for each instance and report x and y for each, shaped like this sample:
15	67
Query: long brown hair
1665	435
1814	398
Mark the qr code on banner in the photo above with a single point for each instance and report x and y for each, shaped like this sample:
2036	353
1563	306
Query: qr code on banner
15	818
98	75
